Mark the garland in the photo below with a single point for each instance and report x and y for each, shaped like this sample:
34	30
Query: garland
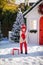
40	8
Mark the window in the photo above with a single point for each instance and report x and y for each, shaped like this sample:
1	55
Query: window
33	26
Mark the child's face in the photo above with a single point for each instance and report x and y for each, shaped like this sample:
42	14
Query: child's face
24	30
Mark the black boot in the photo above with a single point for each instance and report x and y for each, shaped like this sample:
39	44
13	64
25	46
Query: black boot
25	52
21	52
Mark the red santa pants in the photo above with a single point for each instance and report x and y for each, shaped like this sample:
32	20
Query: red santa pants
25	46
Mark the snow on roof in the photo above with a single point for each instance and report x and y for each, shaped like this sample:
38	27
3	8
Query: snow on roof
23	1
33	0
32	7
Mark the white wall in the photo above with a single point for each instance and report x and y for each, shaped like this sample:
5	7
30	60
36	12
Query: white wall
33	38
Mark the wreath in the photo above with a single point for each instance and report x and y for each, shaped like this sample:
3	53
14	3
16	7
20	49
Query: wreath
40	8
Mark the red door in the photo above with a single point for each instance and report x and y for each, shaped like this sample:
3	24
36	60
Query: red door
41	31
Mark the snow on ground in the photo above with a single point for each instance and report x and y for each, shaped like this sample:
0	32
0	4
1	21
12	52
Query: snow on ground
34	56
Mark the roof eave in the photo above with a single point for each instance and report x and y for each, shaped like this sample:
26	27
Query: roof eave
31	8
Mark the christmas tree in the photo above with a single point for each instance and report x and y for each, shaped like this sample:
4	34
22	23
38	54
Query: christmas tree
16	26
